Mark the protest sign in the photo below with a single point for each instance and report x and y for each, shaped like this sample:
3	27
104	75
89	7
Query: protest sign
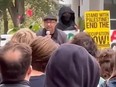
97	25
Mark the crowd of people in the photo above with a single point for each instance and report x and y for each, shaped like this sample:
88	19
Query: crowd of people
48	59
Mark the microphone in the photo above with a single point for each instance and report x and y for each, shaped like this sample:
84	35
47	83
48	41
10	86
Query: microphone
47	32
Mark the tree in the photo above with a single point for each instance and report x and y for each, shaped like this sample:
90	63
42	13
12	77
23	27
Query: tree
16	9
42	7
4	4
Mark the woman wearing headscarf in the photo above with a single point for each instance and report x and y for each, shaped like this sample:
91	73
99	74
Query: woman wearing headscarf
72	66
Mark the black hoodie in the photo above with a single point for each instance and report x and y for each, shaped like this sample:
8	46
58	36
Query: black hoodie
72	66
66	26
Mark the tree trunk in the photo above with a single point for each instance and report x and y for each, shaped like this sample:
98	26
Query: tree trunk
14	15
5	21
19	4
17	12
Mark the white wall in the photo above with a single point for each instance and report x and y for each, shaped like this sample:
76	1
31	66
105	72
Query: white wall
91	5
96	4
74	6
84	7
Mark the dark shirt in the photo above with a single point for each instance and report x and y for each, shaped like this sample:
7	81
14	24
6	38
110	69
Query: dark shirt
37	81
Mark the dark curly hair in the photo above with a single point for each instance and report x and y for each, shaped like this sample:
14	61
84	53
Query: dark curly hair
86	41
106	59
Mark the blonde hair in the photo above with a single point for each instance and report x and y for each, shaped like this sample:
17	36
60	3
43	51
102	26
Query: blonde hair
42	48
23	35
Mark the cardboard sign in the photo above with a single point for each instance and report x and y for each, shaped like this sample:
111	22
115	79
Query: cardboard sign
97	25
97	20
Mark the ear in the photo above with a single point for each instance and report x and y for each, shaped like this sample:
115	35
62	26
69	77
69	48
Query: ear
29	70
28	74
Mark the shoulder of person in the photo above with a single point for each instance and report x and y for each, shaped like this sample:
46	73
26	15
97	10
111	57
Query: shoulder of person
63	36
39	32
13	85
104	84
60	31
109	83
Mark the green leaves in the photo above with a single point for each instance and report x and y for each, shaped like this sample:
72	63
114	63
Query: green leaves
12	31
35	26
42	7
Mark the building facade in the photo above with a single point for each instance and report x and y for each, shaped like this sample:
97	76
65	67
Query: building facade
80	6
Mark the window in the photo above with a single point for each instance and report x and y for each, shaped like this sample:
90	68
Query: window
111	5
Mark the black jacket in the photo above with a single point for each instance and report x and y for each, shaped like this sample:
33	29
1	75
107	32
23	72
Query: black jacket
15	84
71	24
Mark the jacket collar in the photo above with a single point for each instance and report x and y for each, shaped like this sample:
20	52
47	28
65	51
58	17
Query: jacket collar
23	82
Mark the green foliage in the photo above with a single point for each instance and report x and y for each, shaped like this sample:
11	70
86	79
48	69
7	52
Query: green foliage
35	26
12	31
42	7
81	23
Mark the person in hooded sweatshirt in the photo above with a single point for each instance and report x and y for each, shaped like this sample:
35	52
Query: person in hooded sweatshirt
66	19
72	66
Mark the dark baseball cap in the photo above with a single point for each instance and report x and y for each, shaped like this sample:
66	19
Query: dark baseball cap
49	17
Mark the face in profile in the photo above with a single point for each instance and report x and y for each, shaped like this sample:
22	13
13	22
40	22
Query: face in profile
50	25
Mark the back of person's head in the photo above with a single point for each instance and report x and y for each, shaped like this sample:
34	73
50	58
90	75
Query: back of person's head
111	61
72	66
42	48
104	59
23	35
15	61
86	41
113	66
